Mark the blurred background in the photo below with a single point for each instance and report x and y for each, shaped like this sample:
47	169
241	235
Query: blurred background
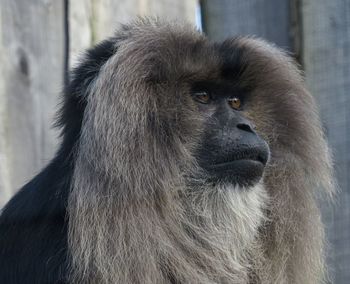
40	40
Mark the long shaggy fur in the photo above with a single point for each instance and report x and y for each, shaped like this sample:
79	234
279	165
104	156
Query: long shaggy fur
138	214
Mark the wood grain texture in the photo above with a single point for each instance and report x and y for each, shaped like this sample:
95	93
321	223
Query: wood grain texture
80	28
93	20
5	190
263	18
326	57
32	68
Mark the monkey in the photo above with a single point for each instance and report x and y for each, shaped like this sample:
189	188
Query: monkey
182	161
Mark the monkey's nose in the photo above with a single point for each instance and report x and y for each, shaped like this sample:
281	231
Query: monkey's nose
246	127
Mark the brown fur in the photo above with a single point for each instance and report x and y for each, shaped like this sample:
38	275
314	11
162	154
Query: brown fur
133	218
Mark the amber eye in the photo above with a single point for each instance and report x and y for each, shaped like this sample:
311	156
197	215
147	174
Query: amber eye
235	103
202	97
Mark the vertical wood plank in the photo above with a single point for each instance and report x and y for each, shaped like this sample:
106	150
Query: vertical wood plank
94	20
110	14
263	18
5	190
170	10
326	57
32	69
80	28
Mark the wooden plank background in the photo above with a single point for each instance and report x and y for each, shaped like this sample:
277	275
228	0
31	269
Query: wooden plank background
326	60
32	68
41	38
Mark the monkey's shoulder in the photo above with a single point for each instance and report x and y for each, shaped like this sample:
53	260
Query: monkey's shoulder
33	232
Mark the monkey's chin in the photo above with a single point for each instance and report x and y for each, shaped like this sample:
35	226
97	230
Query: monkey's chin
244	173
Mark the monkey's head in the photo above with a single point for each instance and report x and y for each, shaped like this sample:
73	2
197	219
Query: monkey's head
212	101
167	112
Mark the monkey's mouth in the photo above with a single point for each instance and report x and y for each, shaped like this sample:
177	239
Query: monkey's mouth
255	156
242	169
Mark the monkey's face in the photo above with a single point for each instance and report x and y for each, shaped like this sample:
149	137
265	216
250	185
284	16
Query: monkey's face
221	86
230	150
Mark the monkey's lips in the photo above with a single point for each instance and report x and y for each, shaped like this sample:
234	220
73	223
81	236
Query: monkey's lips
244	171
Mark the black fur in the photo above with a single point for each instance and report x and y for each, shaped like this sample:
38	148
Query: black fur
33	225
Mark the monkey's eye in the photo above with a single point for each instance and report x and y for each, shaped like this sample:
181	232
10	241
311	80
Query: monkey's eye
235	103
202	97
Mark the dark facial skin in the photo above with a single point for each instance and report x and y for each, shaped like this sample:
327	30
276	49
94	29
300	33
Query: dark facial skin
231	150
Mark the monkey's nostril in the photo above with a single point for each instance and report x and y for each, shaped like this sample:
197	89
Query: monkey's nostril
245	127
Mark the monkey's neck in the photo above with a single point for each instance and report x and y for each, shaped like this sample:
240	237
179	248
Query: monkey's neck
207	240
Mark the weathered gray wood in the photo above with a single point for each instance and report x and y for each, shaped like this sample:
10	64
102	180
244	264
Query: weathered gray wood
94	20
110	14
268	19
326	58
80	28
170	9
32	67
5	191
